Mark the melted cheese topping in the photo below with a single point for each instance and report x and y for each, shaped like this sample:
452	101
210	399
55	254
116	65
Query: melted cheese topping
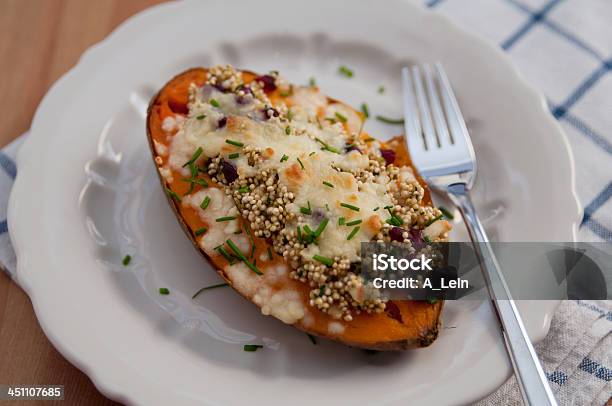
306	141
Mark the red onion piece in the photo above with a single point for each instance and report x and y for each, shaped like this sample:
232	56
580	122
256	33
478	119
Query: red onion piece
229	171
388	155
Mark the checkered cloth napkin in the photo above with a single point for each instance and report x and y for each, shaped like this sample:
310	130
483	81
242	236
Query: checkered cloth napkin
564	48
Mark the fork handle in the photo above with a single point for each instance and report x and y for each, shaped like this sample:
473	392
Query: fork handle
530	376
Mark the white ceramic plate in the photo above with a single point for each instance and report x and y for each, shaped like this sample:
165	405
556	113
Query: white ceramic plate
87	194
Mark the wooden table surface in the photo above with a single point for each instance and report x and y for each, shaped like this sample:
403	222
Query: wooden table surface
39	41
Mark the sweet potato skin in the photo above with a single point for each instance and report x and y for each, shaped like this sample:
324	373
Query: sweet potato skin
418	322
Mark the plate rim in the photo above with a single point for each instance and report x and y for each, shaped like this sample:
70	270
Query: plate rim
102	379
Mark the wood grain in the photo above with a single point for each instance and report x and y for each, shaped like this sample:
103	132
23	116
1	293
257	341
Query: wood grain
39	41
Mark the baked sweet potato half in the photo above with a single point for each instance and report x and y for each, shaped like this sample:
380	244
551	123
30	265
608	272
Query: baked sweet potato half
277	185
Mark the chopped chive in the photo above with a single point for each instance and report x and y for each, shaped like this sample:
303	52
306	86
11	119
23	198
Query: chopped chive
328	184
287	130
331	120
326	206
376	208
300	161
252	347
270	256
353	223
194	157
200	231
326	146
369	139
244	189
312	339
343	70
390	206
220	285
323	260
226	218
173	195
240	255
164	291
365	110
126	260
388	120
341	221
205	203
306	210
201	117
352	234
426	239
321	227
299	234
239	231
214	103
236	143
225	254
319	123
312	82
285	94
312	153
446	213
350	206
284	158
234	155
341	117
307	229
381	89
433	220
395	221
289	114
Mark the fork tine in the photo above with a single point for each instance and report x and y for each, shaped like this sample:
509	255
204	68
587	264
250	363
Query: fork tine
456	123
428	129
436	108
412	124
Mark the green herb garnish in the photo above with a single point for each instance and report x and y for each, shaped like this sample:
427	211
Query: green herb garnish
126	260
201	117
388	120
446	213
353	223
287	130
205	203
426	239
214	103
306	210
226	218
343	70
328	184
321	227
284	158
312	82
341	117
194	157
365	110
350	206
200	231
323	260
173	195
326	146
252	347
234	155
376	208
221	285
381	89
352	234
236	143
300	161
226	254
244	189
164	291
241	256
433	220
341	221
270	256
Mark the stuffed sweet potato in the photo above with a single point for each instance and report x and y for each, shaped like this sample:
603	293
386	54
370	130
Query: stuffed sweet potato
277	185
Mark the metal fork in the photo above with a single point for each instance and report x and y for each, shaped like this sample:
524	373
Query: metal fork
442	151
